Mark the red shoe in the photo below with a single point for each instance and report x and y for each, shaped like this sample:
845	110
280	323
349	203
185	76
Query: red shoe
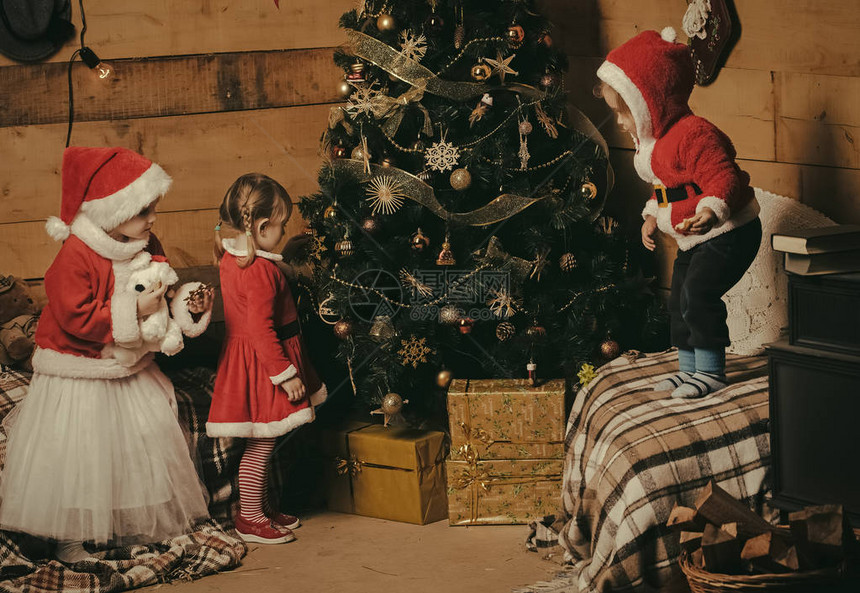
288	521
263	533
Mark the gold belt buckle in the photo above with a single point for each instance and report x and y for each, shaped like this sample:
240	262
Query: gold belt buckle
662	196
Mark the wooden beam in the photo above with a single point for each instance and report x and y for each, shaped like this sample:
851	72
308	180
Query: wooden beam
133	29
157	87
203	154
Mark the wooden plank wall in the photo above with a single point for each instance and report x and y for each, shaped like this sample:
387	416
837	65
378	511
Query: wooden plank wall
211	89
787	96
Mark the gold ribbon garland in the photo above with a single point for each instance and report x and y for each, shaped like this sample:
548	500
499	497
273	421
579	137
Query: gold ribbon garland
408	70
499	209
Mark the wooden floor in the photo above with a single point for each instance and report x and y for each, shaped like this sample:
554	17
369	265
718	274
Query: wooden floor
351	554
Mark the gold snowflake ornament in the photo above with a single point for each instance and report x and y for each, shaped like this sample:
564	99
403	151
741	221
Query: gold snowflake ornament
413	47
363	100
414	351
442	156
502	305
386	195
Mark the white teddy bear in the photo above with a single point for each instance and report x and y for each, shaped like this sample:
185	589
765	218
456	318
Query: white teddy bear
158	331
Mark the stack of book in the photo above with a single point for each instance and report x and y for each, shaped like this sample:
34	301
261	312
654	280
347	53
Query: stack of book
824	250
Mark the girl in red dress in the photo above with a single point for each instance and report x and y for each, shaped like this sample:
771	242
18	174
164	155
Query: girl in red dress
265	386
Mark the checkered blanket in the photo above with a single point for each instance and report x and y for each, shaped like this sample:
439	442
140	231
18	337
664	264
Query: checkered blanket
25	565
632	453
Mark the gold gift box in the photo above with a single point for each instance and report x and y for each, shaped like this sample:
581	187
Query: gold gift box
503	491
390	473
507	448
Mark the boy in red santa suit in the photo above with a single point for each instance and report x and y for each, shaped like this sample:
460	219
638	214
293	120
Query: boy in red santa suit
701	198
95	453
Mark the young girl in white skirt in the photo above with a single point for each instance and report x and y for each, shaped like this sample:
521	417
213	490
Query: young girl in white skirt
95	453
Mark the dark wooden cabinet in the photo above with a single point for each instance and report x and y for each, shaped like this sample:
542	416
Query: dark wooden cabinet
815	427
825	312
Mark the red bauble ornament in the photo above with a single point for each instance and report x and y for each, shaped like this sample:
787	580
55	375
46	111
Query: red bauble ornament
536	332
515	36
545	39
338	152
466	324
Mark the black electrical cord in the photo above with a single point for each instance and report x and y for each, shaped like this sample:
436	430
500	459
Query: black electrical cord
71	62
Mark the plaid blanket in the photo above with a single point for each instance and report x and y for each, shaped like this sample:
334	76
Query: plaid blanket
632	453
25	564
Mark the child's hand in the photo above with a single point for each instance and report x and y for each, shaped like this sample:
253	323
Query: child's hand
295	389
698	224
149	302
649	227
200	301
293	245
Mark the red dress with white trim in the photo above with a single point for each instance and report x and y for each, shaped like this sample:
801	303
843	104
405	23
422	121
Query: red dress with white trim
262	349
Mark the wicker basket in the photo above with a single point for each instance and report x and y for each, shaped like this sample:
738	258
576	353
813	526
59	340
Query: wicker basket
810	581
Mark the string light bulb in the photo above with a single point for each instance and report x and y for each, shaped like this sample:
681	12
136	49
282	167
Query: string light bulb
100	69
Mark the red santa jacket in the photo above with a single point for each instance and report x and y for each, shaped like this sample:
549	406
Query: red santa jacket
675	149
90	312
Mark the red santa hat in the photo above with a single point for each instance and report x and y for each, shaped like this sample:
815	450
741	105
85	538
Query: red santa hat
109	186
655	76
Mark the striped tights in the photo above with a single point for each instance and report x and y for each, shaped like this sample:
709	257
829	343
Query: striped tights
253	479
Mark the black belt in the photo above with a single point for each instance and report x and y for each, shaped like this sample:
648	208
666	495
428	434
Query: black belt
667	195
288	331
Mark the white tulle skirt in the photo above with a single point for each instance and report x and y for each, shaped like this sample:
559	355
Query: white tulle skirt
100	460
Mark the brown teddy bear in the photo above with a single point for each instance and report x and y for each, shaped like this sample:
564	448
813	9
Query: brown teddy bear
19	313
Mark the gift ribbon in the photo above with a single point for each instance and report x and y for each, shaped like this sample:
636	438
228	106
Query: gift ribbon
393	109
351	466
476	478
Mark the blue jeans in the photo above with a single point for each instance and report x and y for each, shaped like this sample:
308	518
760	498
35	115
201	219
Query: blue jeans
701	276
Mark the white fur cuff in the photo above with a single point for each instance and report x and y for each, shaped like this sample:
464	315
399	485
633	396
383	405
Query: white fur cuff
650	208
290	372
720	208
123	311
179	311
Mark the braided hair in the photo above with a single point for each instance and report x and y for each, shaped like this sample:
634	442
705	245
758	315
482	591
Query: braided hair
252	197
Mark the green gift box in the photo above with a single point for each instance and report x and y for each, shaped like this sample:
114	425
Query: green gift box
386	472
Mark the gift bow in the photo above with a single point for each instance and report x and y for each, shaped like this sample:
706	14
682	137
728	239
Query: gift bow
351	466
393	109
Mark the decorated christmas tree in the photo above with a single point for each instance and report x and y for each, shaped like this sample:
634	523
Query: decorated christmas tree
458	229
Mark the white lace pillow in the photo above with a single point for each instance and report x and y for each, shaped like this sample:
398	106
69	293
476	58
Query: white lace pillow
758	303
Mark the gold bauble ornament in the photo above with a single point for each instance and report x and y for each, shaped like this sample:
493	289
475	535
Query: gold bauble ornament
371	225
344	89
505	331
385	22
588	190
444	378
343	329
391	405
609	348
461	179
548	80
358	153
567	262
481	72
450	315
419	241
330	213
387	162
434	24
